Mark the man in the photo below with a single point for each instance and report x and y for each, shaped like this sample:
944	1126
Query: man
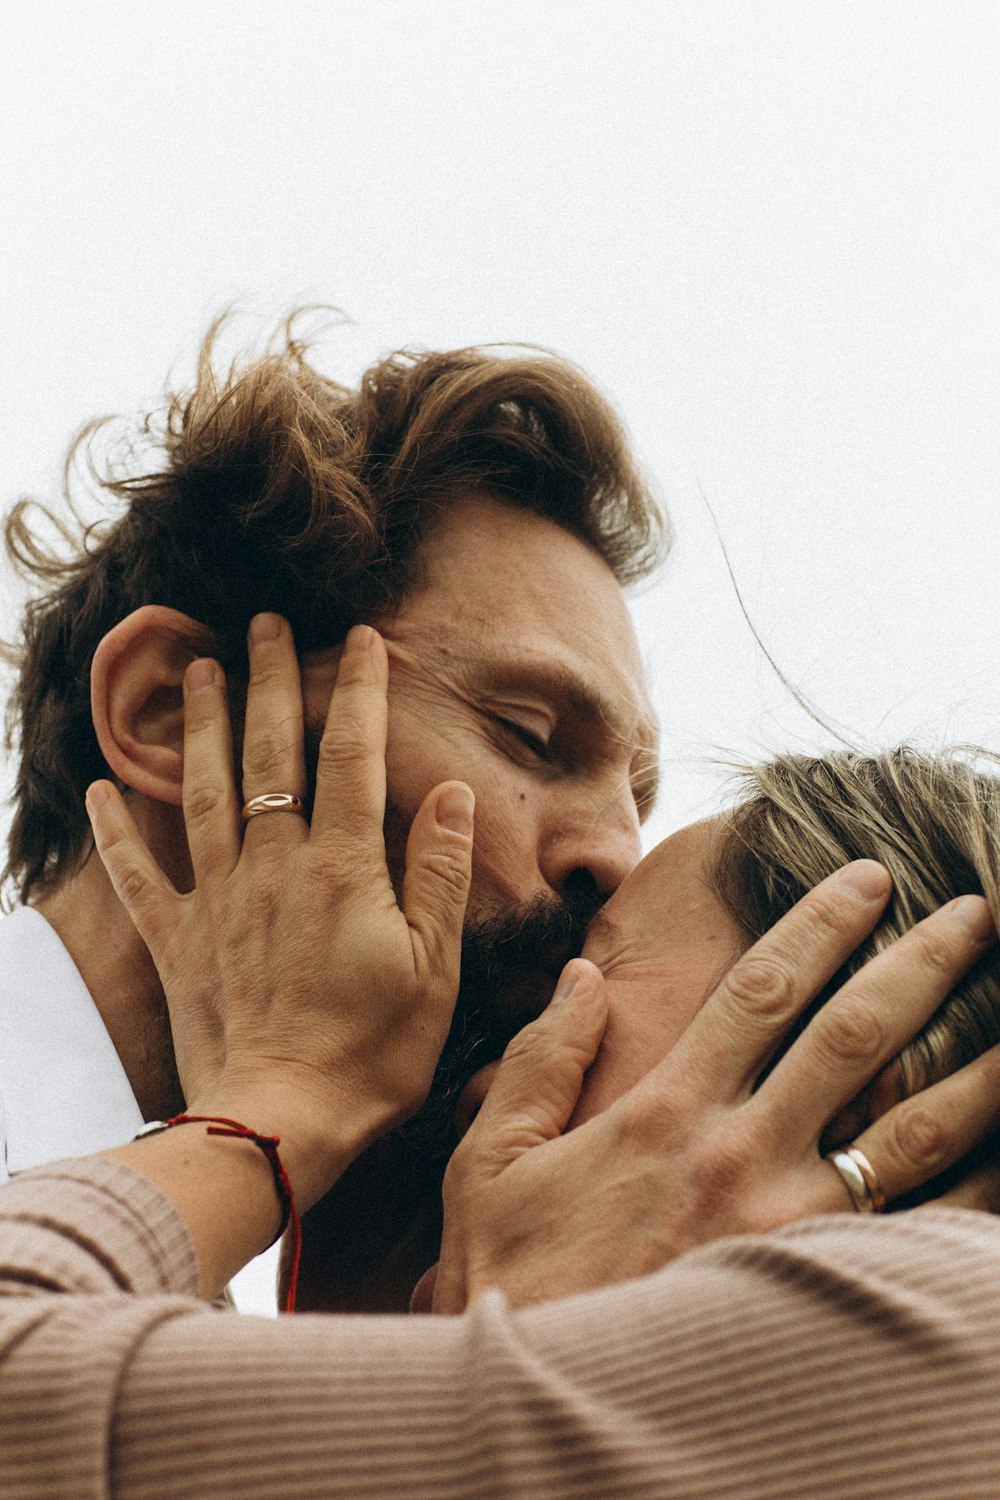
484	513
282	490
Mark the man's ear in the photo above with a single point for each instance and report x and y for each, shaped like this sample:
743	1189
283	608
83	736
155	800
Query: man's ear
136	697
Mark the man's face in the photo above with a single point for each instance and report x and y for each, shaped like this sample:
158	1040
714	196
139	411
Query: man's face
513	666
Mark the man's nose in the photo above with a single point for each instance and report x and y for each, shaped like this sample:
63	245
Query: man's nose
605	849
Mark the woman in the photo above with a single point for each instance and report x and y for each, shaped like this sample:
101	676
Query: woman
683	917
931	820
293	980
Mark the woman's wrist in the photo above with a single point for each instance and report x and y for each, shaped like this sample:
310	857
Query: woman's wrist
318	1137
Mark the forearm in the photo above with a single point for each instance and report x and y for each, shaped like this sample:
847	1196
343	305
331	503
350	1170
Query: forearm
863	1352
224	1187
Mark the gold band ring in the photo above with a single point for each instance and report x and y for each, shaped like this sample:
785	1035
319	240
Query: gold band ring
858	1176
272	802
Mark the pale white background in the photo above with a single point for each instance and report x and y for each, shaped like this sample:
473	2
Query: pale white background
769	231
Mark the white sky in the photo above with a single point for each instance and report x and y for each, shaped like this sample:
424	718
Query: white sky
769	232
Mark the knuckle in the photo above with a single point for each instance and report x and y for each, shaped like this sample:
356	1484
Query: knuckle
450	870
266	754
830	912
332	877
132	887
761	987
932	951
851	1029
534	1051
718	1160
343	745
722	1176
660	1121
918	1138
202	800
268	665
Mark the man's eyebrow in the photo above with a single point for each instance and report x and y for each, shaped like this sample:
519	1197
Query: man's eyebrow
588	701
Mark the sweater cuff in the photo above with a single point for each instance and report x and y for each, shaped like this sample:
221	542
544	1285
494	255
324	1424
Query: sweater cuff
105	1228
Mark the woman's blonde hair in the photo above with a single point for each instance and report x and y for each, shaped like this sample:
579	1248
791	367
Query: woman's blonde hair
933	820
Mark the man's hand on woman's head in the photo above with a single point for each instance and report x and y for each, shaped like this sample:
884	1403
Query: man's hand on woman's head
302	997
696	1150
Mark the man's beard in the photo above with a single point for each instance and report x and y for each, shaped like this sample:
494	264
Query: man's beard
510	964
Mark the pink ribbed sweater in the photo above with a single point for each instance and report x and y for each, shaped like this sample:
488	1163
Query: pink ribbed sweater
843	1357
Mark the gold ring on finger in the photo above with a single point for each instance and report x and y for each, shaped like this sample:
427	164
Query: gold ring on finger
860	1179
269	802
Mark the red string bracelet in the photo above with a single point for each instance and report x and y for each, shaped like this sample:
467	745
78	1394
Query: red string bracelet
219	1125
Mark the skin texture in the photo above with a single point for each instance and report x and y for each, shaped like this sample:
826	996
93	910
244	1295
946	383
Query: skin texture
303	997
662	943
496	656
524	672
662	948
694	1150
680	1134
500	592
514	658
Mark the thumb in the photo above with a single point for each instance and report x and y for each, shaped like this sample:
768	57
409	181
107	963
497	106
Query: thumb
437	878
538	1081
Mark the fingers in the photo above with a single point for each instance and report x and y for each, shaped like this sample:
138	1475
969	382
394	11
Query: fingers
211	807
273	759
922	1136
538	1082
436	883
743	1021
143	889
350	785
872	1018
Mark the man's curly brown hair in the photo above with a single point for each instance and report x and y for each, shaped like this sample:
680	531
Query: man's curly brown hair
270	486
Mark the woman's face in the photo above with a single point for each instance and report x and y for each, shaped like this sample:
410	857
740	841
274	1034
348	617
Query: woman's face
663	942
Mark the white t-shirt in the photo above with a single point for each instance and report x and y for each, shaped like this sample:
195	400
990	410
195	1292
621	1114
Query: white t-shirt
63	1090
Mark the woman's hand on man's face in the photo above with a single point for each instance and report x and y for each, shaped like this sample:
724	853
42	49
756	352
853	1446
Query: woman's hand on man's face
695	1151
302	997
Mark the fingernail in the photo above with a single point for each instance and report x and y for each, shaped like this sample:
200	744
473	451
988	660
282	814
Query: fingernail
974	915
97	793
264	628
869	879
360	639
454	810
568	981
200	674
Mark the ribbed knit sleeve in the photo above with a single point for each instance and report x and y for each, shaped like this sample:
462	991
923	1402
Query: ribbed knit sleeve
843	1357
